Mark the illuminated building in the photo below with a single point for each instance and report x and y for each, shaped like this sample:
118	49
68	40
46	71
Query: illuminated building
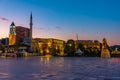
19	36
89	47
12	34
93	45
115	49
90	44
47	46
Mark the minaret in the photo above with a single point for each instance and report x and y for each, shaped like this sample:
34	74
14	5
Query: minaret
31	24
12	34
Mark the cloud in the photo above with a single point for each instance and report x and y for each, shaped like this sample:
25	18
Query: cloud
39	28
4	19
58	27
22	25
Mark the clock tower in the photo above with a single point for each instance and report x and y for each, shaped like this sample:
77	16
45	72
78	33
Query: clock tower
12	34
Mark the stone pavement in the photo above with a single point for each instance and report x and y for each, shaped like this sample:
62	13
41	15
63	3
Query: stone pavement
60	68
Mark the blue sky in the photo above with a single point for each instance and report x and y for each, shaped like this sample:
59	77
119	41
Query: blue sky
62	19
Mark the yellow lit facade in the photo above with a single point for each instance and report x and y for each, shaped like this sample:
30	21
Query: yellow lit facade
12	39
94	45
48	46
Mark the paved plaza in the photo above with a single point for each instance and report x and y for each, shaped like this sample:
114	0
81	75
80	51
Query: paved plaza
59	68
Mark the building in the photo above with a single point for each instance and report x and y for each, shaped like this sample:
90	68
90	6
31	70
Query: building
18	37
21	34
90	47
12	34
94	44
4	41
18	34
115	49
48	46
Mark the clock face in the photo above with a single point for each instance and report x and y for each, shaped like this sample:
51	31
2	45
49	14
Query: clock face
12	30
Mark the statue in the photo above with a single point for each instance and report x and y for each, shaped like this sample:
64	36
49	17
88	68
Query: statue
105	53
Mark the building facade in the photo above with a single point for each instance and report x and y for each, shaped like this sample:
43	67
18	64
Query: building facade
4	41
21	34
48	46
89	43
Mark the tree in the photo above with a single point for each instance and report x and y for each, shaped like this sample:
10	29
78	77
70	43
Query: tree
81	47
53	51
1	48
70	47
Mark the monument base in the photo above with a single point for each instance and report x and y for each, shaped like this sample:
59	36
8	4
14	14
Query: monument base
105	53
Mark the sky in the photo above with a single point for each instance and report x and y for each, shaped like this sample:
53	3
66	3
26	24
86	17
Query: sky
63	19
